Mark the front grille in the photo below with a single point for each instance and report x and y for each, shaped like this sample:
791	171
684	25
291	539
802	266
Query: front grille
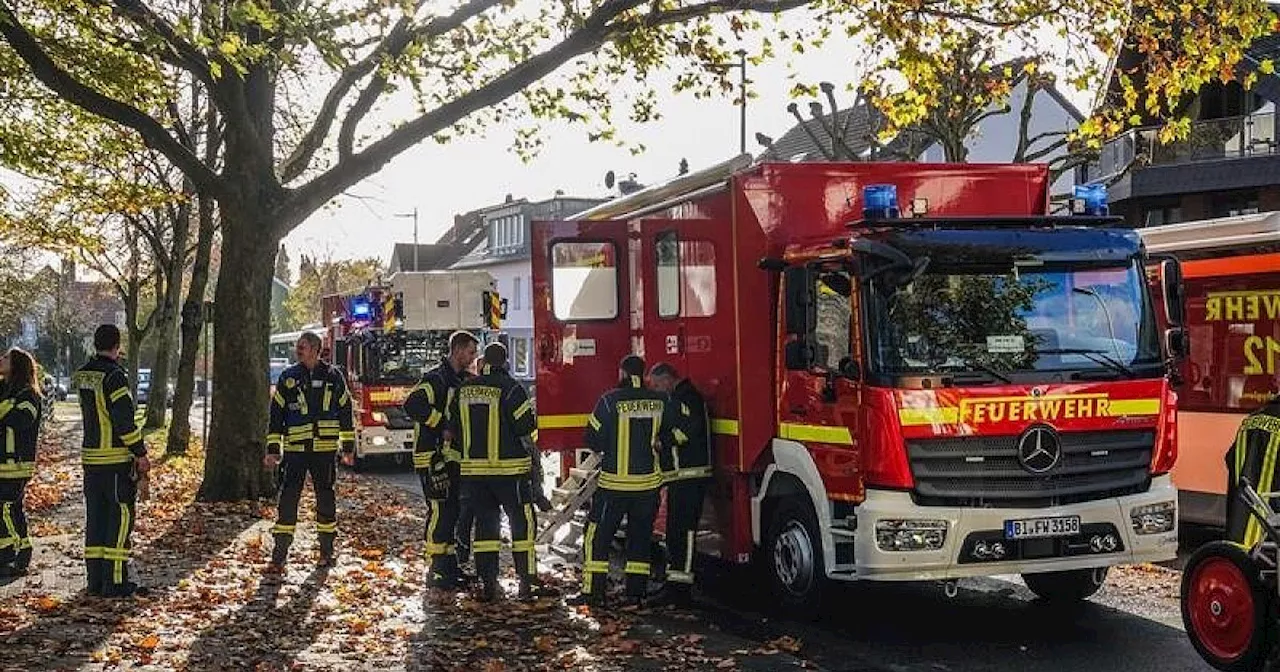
983	471
396	418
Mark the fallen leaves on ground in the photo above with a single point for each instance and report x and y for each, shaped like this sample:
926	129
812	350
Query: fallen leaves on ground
212	607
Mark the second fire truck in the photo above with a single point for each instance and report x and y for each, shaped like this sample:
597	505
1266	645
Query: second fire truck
385	337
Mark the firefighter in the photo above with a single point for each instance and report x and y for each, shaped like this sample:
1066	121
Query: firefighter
687	476
21	407
310	421
492	422
1256	447
626	428
114	458
437	469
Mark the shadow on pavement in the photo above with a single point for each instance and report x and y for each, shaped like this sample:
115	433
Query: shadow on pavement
262	632
990	625
66	634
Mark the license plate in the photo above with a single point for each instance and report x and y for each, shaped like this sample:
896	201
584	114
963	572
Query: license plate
1034	528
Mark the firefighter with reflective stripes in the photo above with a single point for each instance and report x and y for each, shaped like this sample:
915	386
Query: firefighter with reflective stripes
687	475
1254	455
21	406
113	457
437	468
492	424
626	428
310	420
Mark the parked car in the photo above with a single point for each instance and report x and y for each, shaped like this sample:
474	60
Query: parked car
144	388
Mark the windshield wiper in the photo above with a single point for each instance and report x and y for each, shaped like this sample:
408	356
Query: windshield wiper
1097	356
983	373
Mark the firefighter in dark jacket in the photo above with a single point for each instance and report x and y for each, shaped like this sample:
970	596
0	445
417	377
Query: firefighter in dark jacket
1254	456
114	457
21	405
627	429
310	420
492	425
686	473
437	468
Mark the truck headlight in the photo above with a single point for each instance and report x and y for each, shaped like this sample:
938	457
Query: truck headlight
1153	518
379	417
911	534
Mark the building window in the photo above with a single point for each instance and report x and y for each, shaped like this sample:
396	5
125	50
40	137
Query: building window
584	281
516	293
1162	215
1235	203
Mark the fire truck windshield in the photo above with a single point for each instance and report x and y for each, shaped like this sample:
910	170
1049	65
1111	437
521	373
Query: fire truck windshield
1007	319
398	360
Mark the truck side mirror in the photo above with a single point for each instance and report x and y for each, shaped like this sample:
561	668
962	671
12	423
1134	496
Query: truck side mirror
798	355
801	316
850	369
1175	300
1177	343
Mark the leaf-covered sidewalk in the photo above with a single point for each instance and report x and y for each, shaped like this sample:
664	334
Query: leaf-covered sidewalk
210	608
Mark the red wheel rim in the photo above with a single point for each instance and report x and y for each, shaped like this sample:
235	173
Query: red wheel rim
1221	608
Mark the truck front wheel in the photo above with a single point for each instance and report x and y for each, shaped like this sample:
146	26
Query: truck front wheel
1065	587
793	556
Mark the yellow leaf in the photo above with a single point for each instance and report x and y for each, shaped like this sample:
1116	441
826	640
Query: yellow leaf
150	642
1267	67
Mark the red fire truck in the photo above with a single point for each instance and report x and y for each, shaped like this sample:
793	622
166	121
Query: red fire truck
384	337
974	388
1232	277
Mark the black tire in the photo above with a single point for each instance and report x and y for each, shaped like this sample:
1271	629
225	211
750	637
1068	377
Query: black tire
792	558
1069	587
1221	577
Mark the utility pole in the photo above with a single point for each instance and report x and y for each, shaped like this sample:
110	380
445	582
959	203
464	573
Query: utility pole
414	215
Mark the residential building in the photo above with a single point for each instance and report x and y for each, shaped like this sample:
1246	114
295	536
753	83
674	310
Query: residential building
503	250
995	139
1228	165
460	239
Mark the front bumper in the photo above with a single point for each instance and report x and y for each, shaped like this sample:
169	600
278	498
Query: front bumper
954	560
383	441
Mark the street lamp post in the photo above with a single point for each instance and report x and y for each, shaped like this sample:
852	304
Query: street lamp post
741	65
414	215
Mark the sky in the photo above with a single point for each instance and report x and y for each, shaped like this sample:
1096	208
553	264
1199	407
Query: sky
474	172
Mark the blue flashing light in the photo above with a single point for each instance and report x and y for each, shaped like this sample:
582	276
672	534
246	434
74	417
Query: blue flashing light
880	201
360	308
1093	199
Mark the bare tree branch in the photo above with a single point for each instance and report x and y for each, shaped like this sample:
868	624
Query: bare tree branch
186	54
77	93
1047	150
394	44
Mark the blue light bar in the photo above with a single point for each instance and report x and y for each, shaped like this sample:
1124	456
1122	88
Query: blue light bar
1092	199
880	201
360	307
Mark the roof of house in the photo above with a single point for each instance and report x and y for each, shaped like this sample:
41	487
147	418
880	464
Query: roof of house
431	256
797	144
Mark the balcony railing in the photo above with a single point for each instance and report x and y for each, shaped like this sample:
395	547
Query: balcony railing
1227	138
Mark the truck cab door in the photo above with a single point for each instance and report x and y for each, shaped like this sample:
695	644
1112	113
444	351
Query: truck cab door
582	313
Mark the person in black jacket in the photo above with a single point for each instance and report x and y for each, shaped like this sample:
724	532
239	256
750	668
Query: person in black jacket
492	424
437	468
687	474
1257	447
628	428
114	457
20	409
311	418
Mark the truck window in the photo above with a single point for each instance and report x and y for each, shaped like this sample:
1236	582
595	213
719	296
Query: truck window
834	311
666	251
584	281
686	276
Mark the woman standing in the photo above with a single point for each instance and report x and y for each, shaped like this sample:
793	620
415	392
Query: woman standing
20	410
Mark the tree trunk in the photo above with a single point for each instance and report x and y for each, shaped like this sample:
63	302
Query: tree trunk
242	321
167	324
192	323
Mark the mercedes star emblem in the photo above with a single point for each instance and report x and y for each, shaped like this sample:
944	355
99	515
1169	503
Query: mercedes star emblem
1039	449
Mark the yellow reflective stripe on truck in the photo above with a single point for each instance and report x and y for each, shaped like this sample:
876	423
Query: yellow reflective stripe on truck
816	433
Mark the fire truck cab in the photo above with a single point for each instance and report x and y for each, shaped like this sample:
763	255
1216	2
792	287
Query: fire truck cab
914	372
386	336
